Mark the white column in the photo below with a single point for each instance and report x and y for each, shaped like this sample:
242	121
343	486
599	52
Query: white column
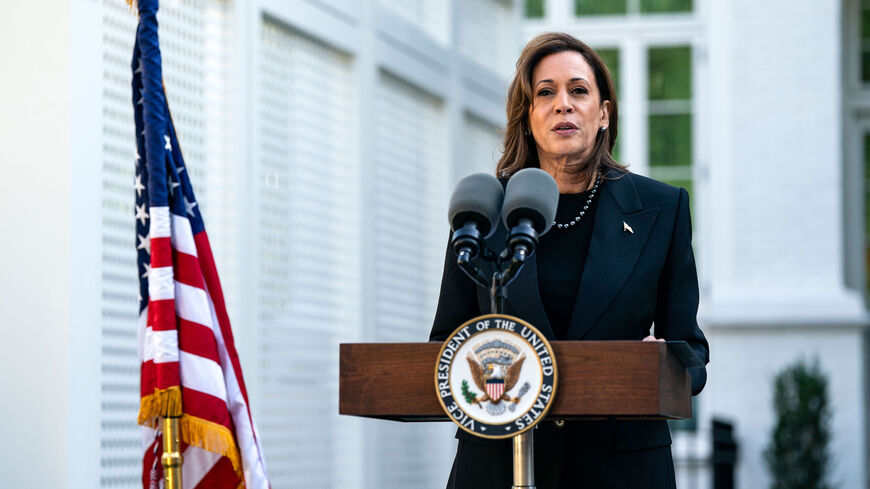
36	276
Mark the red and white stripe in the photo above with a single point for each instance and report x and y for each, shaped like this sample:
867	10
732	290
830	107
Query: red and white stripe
185	329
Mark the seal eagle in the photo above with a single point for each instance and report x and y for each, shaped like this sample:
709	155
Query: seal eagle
495	372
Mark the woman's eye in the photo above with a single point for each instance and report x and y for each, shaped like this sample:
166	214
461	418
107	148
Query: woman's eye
544	92
579	90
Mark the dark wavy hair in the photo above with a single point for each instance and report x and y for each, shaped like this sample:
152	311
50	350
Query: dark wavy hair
520	150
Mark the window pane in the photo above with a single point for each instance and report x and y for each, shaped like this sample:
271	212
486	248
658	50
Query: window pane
867	211
865	41
670	140
599	7
534	8
654	6
611	59
670	73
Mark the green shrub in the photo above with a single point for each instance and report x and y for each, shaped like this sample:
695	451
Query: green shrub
798	456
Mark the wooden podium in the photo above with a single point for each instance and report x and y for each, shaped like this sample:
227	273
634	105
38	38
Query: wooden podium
596	379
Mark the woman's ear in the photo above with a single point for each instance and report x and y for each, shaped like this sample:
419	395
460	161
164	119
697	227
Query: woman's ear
604	113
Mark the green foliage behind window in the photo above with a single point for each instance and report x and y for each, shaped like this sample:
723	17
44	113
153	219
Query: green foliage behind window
611	59
534	8
867	211
669	119
670	140
599	7
657	6
865	41
670	73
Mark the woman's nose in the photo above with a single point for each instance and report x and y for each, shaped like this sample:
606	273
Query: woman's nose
563	105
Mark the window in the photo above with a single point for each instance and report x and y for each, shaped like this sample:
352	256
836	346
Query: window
600	7
867	211
611	59
669	95
622	7
865	41
534	9
665	6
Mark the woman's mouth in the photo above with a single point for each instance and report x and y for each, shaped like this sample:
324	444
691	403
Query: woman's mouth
564	128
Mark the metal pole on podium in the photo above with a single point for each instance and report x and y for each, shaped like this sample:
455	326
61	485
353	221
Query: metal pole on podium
171	458
524	443
524	460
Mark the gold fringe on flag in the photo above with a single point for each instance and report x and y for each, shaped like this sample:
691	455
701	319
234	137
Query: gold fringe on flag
163	403
195	431
213	437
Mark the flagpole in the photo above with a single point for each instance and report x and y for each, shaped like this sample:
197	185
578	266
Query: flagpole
171	458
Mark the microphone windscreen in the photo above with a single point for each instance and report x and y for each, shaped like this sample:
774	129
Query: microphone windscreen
531	193
477	197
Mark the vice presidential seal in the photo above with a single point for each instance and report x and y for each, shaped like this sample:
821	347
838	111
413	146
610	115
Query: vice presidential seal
496	376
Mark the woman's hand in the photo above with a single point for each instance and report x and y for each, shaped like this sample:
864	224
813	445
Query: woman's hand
652	338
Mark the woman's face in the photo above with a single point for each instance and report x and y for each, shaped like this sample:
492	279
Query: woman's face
565	114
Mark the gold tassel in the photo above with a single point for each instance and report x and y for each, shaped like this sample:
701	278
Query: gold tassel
195	431
213	437
163	402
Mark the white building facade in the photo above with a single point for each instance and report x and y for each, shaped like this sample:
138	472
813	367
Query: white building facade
323	139
760	109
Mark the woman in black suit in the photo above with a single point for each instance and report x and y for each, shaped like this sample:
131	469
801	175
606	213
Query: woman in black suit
617	262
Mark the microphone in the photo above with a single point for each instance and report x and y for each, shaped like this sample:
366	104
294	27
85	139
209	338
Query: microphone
473	213
530	202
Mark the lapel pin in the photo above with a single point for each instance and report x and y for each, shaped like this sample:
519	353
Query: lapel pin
627	228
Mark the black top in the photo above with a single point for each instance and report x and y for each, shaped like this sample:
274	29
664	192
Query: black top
561	255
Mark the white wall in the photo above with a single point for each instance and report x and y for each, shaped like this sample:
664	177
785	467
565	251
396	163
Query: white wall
777	164
36	274
69	366
778	289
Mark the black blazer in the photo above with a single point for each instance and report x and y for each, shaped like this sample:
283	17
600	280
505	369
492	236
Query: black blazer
631	281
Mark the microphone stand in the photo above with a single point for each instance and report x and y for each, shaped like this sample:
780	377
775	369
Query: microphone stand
506	272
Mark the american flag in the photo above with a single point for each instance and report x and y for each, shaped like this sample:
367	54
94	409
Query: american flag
189	364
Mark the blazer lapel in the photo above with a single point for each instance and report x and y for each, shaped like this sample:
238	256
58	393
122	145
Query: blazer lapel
618	236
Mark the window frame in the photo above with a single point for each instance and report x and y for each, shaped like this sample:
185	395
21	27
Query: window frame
856	124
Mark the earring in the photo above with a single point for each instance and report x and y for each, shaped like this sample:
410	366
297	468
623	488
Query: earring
603	128
527	133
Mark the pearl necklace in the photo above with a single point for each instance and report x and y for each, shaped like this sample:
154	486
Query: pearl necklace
576	220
